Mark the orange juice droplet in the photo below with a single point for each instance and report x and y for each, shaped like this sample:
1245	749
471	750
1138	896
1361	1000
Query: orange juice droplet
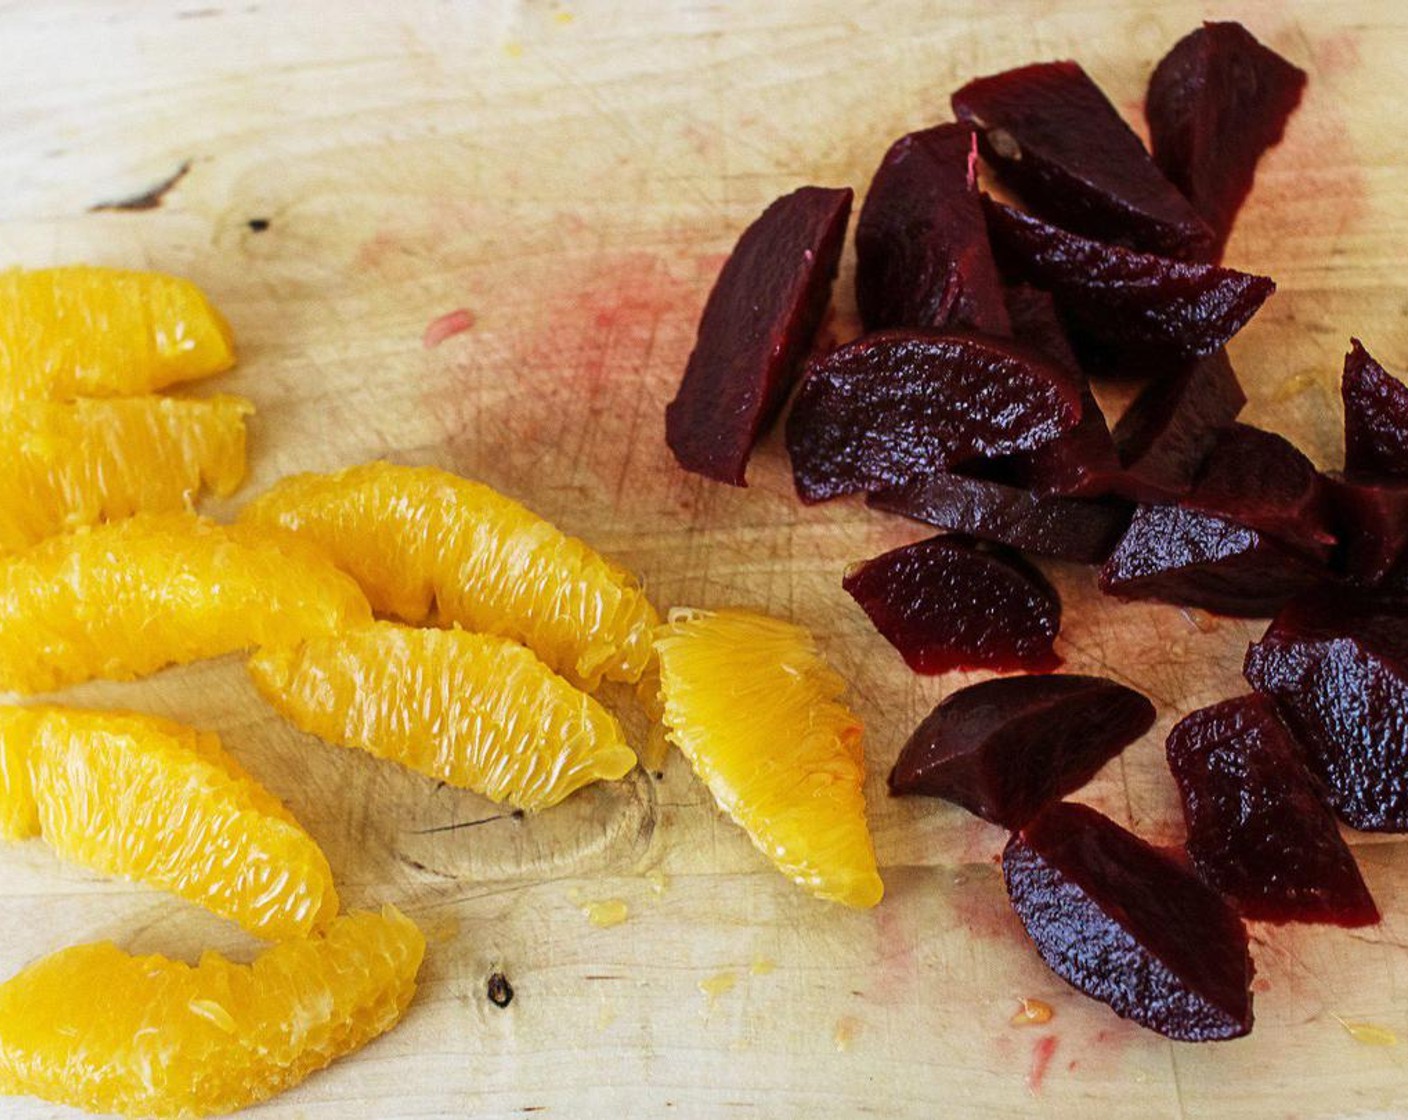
1032	1013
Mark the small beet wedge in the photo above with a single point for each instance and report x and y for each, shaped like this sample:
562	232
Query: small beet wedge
1129	300
758	324
1216	102
1124	923
1371	516
922	253
895	406
1258	830
1050	133
946	603
1375	417
1336	666
1006	748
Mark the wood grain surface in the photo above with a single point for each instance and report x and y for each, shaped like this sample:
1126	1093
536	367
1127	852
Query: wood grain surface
571	174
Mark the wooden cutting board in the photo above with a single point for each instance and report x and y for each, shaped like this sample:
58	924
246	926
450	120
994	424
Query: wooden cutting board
572	174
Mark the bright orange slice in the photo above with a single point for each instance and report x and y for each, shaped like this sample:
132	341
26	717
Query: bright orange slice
87	461
474	710
94	1027
164	805
428	545
123	599
756	710
103	332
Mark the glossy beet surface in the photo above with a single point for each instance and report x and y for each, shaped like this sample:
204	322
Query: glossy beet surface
1375	416
1050	133
1216	102
1126	299
1005	748
1337	668
1123	923
755	332
1193	559
946	603
922	254
898	405
1371	516
1257	828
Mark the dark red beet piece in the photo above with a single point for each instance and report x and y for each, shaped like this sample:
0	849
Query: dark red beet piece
1129	300
1371	515
1193	559
1257	828
946	603
898	405
1375	417
1124	923
1006	748
1336	666
1216	102
755	332
922	253
1050	133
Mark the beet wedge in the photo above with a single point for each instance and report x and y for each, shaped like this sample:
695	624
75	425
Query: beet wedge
1371	517
1006	748
1124	923
757	327
1375	417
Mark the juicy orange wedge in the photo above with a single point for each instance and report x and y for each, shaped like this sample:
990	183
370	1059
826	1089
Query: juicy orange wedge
104	332
164	805
94	1027
78	463
124	599
474	710
756	710
427	545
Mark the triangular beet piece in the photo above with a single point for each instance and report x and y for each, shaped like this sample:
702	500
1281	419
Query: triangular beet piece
1006	748
922	253
1129	300
1257	828
1216	102
757	327
1336	666
895	406
946	603
1375	417
1371	516
1124	923
1050	133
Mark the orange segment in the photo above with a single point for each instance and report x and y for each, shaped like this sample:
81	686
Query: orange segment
123	599
104	332
164	805
428	545
163	1038
87	461
756	710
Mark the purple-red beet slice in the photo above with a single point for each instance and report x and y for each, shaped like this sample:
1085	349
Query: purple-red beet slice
946	603
1375	417
895	406
1216	102
1336	666
1371	515
1050	132
922	253
1257	828
1194	559
1129	300
1004	749
755	332
1124	923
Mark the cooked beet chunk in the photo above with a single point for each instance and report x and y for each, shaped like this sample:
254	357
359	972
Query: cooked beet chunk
922	253
898	405
1124	923
1051	134
1004	749
1375	417
1216	102
757	327
1336	666
1371	515
946	603
1129	300
1257	828
1193	559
